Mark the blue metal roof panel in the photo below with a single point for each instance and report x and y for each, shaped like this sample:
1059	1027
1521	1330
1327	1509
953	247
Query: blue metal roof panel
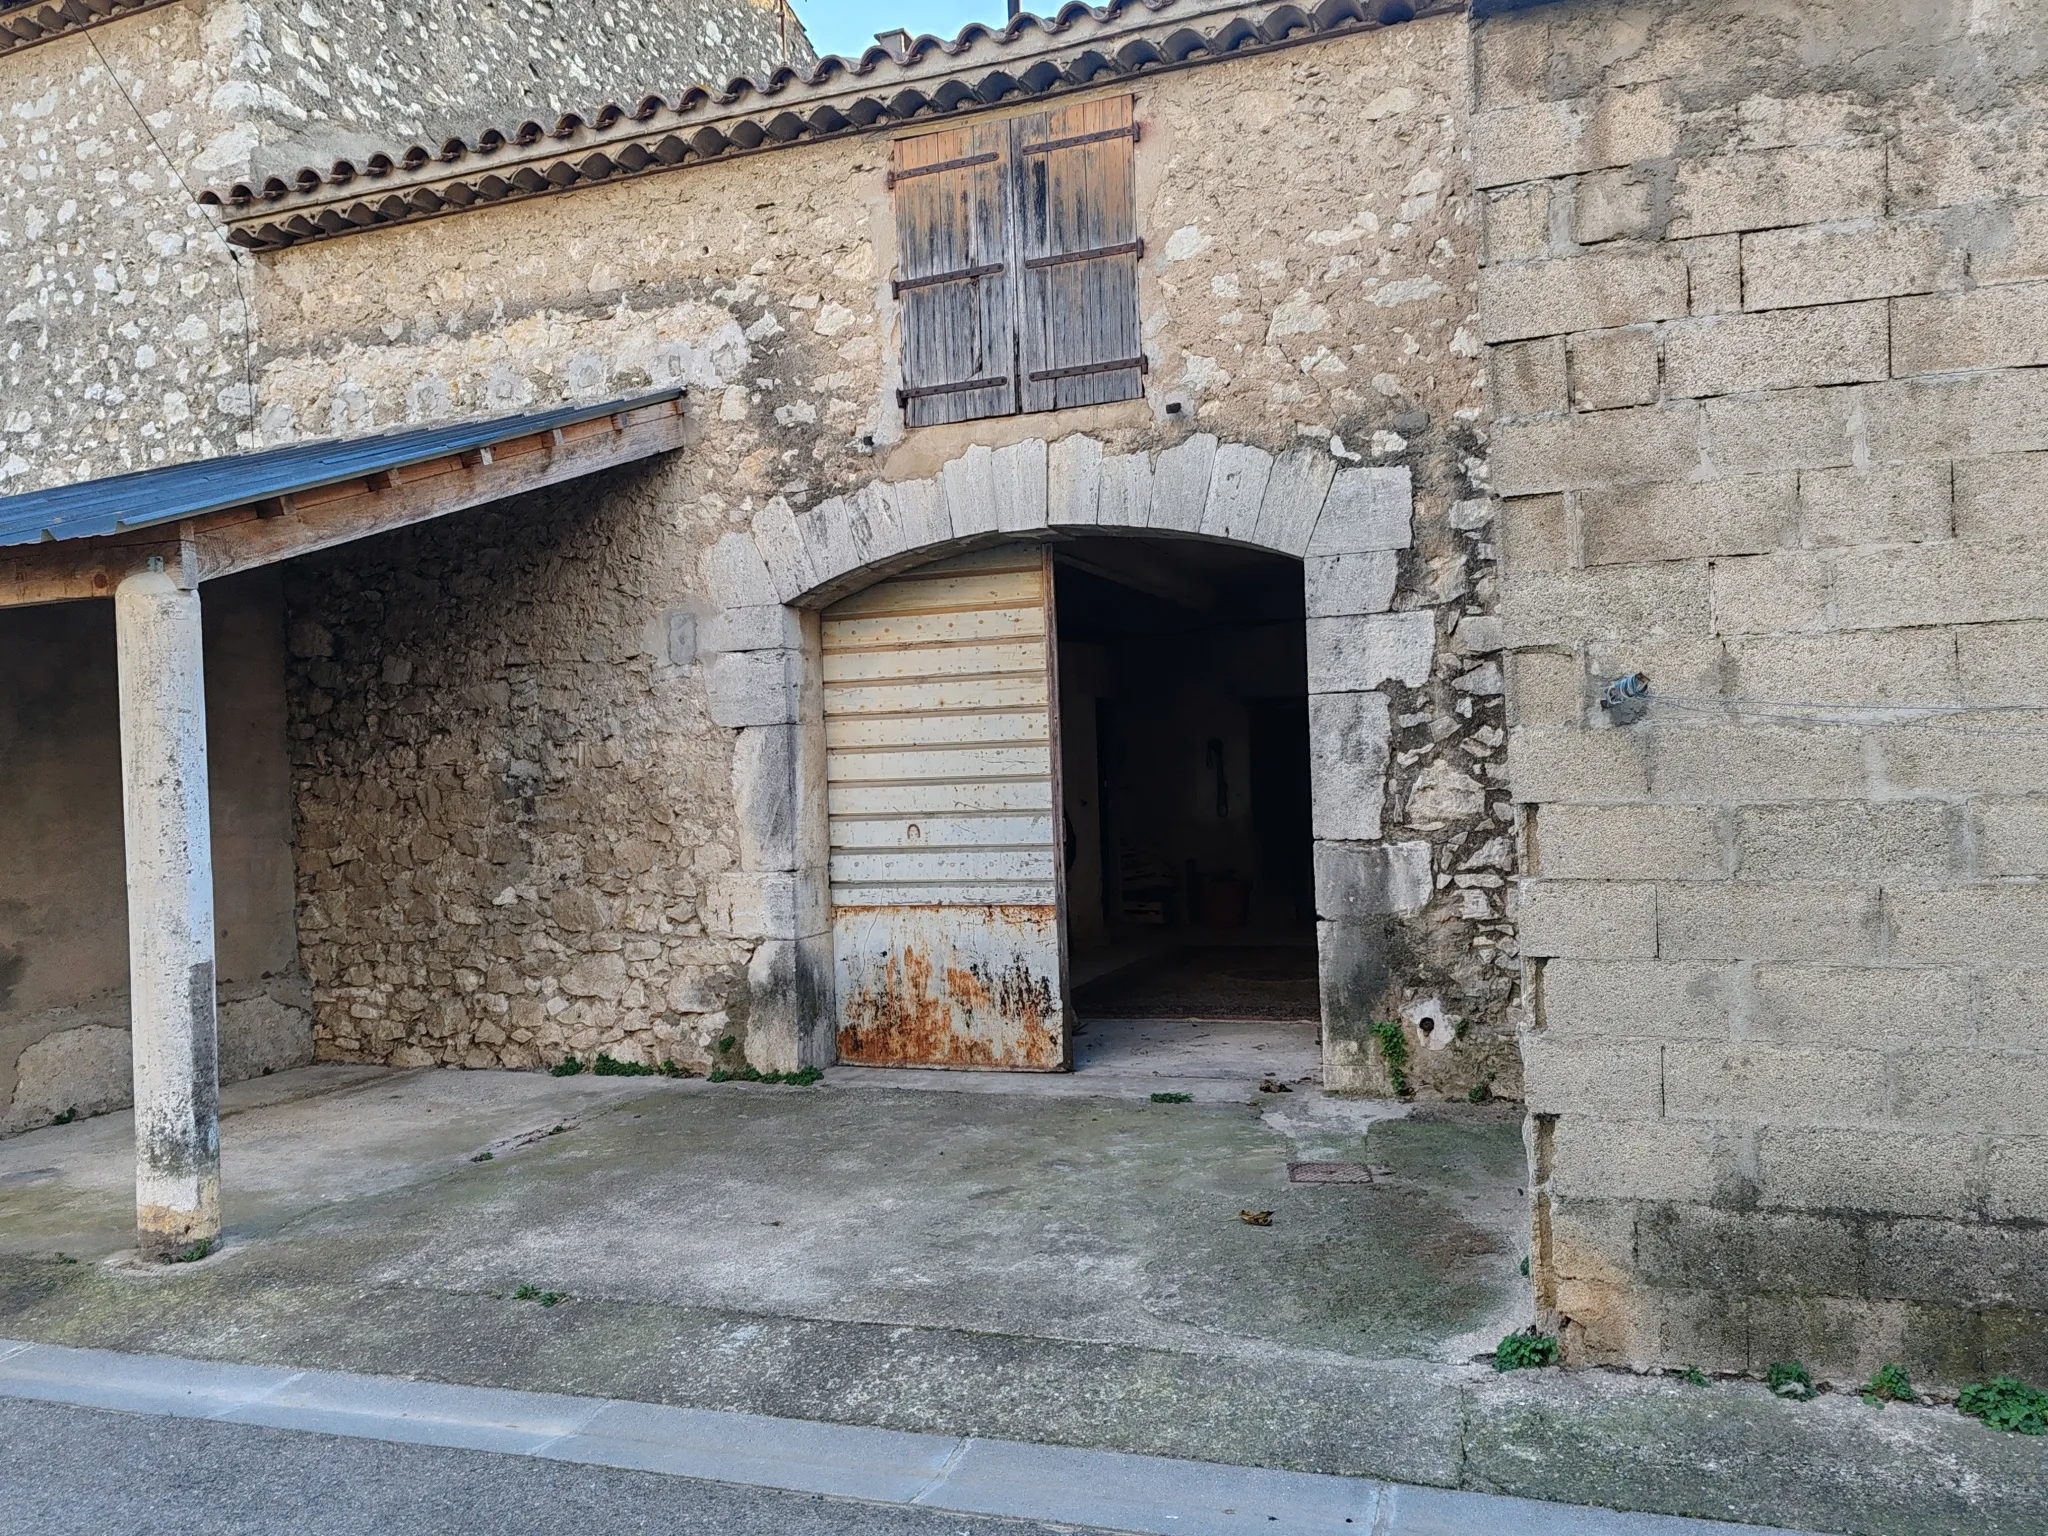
94	508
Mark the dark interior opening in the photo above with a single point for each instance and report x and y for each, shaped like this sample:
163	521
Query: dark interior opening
1183	729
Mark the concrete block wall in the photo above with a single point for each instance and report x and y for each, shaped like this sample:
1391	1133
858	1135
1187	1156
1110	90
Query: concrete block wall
1766	298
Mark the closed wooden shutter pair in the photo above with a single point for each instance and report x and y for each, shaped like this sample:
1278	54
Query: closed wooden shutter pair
1018	256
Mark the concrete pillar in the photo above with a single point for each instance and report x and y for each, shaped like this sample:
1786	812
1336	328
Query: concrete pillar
170	914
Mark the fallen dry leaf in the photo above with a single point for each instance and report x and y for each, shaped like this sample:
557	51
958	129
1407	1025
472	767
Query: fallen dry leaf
1256	1218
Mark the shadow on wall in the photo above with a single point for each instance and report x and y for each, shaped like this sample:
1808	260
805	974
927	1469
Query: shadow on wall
64	1044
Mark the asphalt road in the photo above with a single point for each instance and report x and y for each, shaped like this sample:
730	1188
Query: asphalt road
80	1470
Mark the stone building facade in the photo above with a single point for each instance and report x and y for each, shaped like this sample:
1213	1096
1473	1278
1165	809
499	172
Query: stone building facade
1577	341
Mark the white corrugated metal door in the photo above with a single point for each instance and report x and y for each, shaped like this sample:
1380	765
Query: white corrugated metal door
942	794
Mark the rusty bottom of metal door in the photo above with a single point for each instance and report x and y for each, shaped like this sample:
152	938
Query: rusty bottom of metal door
941	790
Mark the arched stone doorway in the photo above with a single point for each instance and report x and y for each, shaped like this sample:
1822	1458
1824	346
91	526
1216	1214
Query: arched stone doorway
771	584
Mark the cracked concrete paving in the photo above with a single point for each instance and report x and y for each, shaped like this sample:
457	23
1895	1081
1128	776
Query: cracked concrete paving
1060	1260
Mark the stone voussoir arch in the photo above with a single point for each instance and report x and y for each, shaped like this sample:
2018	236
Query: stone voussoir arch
1347	525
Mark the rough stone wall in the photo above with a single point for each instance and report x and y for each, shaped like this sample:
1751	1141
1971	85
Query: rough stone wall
63	926
1763	292
1308	285
125	330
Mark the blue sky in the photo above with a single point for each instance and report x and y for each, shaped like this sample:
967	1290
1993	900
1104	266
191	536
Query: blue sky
849	26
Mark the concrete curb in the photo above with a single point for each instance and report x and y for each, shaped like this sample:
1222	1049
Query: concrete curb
1105	1489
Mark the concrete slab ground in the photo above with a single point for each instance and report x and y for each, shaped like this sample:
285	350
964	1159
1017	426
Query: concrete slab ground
1056	1261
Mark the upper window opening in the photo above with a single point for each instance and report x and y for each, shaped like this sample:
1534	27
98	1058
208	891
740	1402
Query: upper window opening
1017	264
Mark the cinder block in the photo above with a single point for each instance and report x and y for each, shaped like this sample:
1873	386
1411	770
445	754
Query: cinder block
1897	842
1878	1171
1680	667
1885	504
1511	58
1645	1159
2012	838
1355	881
1867	667
1800	921
1996	327
1781	1083
1592	292
1961	1091
1841	263
1545	688
1073	476
1534	536
2018	1175
1180	484
1790	429
1640	999
1865	1007
1351	655
1960	416
1773	594
2011	246
1946	761
1615	601
1591	920
1366	509
1636	446
1628	842
1687	519
1764	189
1565	1077
1946	159
1613	368
752	687
1348	769
1543	139
1617	205
1515	224
1237	488
2002	663
1985	923
1549	763
1756	764
1738	1253
1337	585
2015	1009
1527	378
2002	499
1964	1263
1295	492
1713	266
1949	583
1778	349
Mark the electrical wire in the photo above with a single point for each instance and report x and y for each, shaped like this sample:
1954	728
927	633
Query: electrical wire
235	255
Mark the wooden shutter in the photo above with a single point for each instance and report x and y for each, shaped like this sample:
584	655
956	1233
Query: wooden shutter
954	274
940	789
1078	248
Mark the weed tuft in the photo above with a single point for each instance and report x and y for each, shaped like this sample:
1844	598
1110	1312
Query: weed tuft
484	1156
568	1066
66	1118
1889	1385
728	1042
192	1253
1789	1378
2007	1404
1693	1376
608	1067
1173	1098
1393	1044
1480	1092
534	1293
1528	1351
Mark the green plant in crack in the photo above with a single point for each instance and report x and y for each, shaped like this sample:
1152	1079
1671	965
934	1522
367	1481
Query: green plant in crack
1527	1351
607	1066
191	1253
1173	1098
534	1293
1889	1385
568	1066
1693	1376
2007	1404
1393	1043
1789	1378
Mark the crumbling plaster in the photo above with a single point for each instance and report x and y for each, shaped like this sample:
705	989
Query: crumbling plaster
1308	292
